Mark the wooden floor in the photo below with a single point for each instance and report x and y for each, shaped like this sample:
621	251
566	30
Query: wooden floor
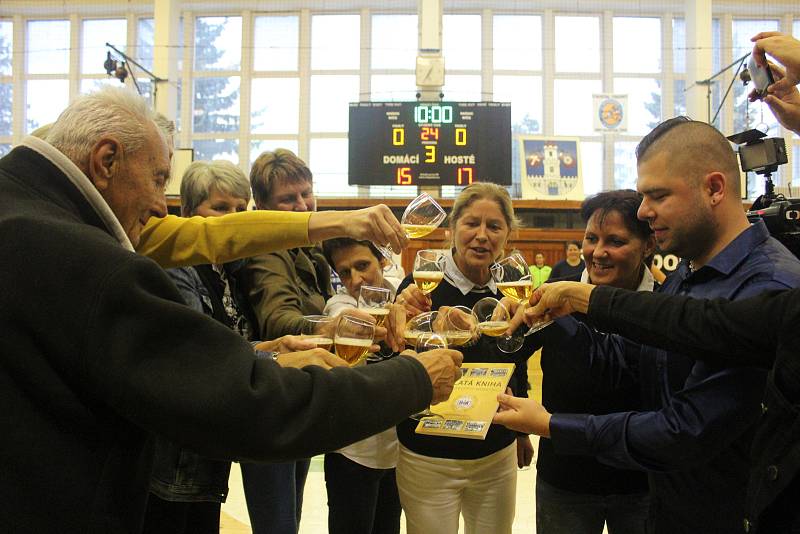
234	518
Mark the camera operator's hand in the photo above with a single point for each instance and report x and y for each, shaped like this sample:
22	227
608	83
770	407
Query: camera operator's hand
785	49
784	103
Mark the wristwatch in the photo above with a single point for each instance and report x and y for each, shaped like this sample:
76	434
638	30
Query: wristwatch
266	355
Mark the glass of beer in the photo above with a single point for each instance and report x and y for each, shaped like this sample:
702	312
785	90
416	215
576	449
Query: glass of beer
492	319
459	326
353	338
428	269
421	217
319	329
513	277
375	301
428	341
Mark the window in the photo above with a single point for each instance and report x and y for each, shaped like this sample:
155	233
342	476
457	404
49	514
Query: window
679	45
270	145
216	108
6	46
393	87
95	34
637	44
525	95
625	165
145	37
275	106
330	99
45	100
328	162
461	42
47	47
748	115
394	41
6	87
275	43
335	42
211	149
218	43
577	55
510	51
573	106
644	103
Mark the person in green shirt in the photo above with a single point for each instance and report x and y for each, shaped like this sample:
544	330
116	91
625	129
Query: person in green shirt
539	271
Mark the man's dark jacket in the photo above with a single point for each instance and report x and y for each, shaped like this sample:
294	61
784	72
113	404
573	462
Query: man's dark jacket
98	352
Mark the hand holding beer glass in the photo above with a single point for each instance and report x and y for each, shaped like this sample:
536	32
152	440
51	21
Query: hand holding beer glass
513	279
493	320
458	326
353	338
319	330
375	301
421	217
428	341
428	269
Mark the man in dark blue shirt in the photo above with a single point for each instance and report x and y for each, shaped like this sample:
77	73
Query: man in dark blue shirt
694	440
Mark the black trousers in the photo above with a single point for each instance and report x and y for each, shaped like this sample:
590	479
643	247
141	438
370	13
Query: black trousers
361	500
169	517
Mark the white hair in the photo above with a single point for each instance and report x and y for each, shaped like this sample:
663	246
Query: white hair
200	177
111	111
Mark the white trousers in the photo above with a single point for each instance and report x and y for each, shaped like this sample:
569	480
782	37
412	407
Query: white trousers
434	491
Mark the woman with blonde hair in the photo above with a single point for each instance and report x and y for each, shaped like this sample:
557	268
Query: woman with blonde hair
440	478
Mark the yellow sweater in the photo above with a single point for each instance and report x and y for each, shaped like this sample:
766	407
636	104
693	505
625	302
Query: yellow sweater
179	241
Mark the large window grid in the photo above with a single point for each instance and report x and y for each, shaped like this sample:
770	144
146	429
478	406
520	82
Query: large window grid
542	85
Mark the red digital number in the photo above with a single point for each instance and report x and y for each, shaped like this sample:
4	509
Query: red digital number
429	133
464	175
404	176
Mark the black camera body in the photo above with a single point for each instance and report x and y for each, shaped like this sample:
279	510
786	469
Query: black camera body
763	155
759	153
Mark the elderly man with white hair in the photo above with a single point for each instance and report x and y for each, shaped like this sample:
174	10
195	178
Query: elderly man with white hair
95	355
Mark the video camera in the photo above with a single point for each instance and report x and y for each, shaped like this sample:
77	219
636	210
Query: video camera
763	155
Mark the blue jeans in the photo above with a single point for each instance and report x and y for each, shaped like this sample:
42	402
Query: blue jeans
274	495
564	512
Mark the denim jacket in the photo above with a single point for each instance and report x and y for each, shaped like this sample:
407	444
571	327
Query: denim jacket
180	474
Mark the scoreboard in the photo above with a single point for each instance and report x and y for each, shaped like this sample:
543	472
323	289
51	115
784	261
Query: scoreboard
429	143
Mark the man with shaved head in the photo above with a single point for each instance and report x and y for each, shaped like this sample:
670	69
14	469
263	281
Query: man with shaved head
693	435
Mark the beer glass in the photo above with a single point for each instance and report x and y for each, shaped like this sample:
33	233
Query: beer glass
493	320
353	338
428	341
513	278
319	329
421	217
375	301
428	269
459	326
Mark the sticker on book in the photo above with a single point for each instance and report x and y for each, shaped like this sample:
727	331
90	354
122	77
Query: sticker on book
498	372
474	426
453	424
432	422
464	402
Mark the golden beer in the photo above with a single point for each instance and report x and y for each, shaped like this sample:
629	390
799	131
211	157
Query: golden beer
380	314
321	342
457	338
415	231
351	349
519	291
427	281
493	328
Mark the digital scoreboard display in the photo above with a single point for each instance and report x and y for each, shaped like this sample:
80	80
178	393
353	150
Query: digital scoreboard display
429	143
